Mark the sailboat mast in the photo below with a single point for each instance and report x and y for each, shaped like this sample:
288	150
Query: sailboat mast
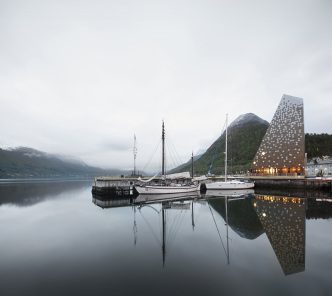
163	150
226	150
192	164
135	154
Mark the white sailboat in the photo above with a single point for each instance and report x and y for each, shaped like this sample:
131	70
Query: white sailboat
228	184
169	184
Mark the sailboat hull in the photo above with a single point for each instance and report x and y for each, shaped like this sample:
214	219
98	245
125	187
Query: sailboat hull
229	185
166	189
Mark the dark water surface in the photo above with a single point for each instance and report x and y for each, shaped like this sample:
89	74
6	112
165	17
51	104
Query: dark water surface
55	239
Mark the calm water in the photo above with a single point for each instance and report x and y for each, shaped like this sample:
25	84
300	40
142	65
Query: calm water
56	239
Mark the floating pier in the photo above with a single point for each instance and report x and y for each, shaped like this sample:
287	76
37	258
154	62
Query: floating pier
114	186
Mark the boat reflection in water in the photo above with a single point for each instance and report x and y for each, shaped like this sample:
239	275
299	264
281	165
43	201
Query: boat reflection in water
245	193
153	198
173	201
281	218
109	202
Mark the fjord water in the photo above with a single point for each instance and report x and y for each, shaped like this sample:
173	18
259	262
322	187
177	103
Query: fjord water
56	239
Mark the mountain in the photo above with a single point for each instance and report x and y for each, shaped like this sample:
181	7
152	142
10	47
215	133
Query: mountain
244	136
24	162
247	118
184	167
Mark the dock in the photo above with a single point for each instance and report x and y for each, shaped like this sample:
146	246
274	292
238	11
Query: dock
124	187
292	182
114	186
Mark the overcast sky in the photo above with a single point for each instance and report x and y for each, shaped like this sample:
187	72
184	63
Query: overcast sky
81	77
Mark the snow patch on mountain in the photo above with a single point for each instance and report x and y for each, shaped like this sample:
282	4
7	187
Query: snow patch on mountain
247	117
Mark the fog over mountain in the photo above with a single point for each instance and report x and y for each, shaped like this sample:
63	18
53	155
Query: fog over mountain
24	162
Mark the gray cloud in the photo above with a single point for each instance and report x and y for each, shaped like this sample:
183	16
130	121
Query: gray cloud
116	145
74	74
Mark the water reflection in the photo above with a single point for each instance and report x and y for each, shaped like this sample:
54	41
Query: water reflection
242	217
26	193
319	208
56	242
281	218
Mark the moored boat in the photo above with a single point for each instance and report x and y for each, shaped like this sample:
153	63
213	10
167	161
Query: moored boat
166	189
228	184
168	184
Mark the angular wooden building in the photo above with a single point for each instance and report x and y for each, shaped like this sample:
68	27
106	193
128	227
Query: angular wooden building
282	149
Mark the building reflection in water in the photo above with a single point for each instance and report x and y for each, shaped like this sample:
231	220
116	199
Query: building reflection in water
283	219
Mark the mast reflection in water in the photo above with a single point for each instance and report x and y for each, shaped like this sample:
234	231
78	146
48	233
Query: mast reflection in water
160	204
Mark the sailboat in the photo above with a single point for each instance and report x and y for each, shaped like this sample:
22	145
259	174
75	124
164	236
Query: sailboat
229	184
169	184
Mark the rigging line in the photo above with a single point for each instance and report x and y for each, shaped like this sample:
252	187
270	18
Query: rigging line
172	161
175	223
173	226
222	243
183	212
153	154
149	206
176	155
151	229
169	158
182	217
214	155
176	226
172	153
197	214
177	159
224	128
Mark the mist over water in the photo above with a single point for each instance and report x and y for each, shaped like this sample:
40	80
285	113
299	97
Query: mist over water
57	239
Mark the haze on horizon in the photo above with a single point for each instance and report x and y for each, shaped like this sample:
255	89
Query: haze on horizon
81	77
